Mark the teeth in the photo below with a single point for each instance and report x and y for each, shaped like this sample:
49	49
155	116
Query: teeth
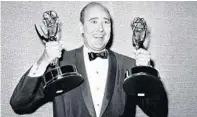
98	36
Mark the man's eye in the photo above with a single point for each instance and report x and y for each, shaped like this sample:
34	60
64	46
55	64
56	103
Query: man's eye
107	22
94	22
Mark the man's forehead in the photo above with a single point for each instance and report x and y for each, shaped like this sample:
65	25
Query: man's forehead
96	10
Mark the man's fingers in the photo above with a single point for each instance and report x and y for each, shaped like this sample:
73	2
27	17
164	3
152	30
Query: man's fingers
142	51
134	51
56	45
142	57
54	49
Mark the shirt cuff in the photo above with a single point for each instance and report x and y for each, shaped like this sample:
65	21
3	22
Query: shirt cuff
37	70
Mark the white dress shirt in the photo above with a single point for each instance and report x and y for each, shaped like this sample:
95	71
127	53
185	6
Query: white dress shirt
97	71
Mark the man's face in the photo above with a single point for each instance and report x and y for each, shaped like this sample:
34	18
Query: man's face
96	28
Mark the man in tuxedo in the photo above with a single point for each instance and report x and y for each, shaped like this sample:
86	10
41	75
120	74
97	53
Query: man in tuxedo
101	94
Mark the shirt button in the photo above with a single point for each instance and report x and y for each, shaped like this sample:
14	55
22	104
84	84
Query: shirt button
97	72
97	88
97	104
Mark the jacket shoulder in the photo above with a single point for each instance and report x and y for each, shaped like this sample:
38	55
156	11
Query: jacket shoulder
69	57
124	60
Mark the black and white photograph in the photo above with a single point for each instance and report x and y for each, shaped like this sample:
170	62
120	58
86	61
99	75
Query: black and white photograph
98	58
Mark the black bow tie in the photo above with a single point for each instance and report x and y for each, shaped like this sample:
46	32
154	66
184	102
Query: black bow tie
93	55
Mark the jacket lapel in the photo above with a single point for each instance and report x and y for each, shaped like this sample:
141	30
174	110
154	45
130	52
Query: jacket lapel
85	89
110	82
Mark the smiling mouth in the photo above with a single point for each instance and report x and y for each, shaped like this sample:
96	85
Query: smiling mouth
98	35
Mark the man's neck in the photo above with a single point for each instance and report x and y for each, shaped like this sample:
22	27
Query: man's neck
92	50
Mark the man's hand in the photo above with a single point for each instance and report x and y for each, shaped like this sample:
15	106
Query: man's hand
53	49
142	57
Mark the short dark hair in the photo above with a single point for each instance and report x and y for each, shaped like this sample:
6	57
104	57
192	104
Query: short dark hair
91	4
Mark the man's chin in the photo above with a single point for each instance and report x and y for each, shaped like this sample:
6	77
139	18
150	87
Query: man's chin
98	48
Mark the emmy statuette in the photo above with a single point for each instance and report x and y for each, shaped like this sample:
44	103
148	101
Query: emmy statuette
141	81
58	79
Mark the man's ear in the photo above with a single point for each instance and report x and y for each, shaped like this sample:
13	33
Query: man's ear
81	28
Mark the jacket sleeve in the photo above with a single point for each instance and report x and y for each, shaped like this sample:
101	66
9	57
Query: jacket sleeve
28	95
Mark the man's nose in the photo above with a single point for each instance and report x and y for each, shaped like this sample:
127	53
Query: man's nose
100	27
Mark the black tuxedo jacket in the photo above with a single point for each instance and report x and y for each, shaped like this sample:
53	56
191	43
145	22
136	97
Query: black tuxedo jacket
28	95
